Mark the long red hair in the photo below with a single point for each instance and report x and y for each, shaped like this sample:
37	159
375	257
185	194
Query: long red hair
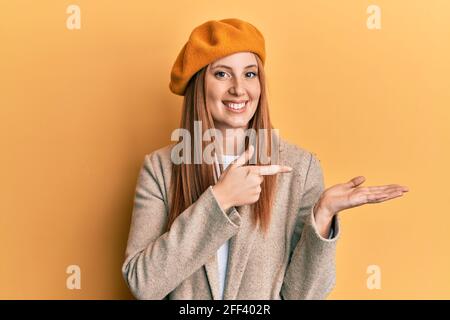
189	181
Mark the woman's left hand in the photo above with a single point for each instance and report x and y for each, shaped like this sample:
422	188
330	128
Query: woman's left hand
351	194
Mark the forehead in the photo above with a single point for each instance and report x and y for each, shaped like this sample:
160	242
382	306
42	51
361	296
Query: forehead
237	60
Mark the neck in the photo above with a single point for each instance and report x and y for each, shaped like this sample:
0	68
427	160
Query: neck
233	141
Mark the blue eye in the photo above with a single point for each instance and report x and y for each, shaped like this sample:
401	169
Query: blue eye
224	73
218	73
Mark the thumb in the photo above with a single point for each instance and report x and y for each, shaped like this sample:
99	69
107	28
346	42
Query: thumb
356	181
244	158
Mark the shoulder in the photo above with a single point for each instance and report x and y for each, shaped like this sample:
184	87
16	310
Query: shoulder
160	155
157	163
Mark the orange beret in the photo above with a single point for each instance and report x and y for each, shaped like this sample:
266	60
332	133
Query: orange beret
210	41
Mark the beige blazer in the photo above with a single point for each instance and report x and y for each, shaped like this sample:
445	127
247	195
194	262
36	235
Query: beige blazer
293	262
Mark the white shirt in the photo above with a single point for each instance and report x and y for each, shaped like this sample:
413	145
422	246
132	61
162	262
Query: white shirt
222	253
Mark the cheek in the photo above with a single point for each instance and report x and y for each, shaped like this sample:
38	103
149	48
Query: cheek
212	96
214	91
214	104
254	90
255	94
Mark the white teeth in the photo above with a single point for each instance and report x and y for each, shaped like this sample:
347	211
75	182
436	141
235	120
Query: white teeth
236	106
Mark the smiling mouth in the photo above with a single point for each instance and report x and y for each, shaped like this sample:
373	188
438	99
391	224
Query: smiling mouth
235	107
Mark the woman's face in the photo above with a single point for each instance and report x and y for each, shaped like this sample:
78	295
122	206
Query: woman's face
233	90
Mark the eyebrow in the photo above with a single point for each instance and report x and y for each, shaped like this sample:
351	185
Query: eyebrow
227	67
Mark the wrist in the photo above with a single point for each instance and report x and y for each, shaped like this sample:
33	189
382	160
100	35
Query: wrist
221	199
323	220
322	212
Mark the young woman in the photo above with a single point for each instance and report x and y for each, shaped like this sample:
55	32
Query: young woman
238	227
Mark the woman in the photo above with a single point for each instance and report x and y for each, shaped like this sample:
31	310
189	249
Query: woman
239	226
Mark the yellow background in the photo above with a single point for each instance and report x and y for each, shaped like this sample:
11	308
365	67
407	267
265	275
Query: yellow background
81	108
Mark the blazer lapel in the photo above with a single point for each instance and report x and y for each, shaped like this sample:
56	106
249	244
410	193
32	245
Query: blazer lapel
239	251
212	265
242	243
212	271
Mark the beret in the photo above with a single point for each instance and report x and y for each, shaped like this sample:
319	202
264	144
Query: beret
210	41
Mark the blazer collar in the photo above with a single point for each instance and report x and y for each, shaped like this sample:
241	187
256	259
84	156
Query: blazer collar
239	251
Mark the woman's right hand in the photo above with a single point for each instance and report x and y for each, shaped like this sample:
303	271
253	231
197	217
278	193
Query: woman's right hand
239	184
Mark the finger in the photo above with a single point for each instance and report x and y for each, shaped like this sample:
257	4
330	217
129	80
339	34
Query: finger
383	190
383	196
380	188
387	187
244	158
356	181
391	196
269	169
388	191
395	192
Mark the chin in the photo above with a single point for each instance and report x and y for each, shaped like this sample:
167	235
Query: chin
236	124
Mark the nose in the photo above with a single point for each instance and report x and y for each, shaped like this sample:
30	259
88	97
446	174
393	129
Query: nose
237	88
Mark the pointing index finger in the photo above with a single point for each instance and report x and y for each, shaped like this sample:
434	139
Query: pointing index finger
270	169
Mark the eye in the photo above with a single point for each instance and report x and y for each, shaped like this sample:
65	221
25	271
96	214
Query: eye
221	73
254	74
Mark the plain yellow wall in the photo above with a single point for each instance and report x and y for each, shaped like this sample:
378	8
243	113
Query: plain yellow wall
81	108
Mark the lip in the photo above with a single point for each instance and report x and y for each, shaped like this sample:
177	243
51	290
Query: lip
234	110
235	101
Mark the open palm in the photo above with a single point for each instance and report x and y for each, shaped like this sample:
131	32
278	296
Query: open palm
351	194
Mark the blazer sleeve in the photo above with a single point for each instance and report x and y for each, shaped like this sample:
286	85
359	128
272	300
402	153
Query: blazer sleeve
156	262
311	272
